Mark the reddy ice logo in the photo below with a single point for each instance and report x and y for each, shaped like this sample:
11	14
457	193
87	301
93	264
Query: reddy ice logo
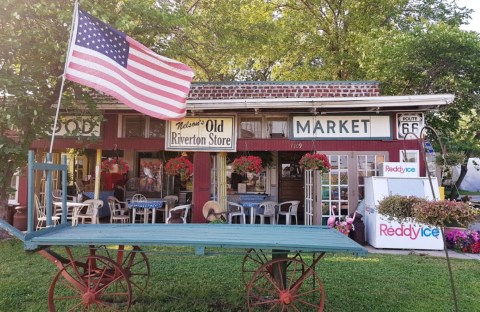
409	231
399	169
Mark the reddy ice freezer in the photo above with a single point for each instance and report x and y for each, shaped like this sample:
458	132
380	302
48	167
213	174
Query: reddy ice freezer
382	233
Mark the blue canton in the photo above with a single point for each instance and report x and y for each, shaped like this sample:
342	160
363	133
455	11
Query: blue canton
98	36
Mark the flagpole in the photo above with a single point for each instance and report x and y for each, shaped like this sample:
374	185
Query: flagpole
75	10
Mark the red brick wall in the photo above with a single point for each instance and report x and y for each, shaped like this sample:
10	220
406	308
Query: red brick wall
251	90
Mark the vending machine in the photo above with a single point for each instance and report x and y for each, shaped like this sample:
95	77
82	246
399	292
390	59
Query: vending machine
382	233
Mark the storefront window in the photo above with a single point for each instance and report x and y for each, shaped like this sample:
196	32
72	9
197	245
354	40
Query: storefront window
251	128
246	183
277	127
13	198
137	126
133	126
156	128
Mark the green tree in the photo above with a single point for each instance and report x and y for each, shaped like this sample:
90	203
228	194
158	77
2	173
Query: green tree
436	58
34	36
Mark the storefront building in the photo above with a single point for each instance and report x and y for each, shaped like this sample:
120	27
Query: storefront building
348	121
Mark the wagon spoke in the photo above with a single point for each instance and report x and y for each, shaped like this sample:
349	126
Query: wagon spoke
105	287
286	284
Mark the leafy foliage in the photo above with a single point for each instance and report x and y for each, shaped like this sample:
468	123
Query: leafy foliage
439	213
244	164
399	208
181	166
315	161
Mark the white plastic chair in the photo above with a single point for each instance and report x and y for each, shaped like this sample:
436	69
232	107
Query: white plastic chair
117	212
183	212
170	202
141	212
289	210
139	198
91	213
42	215
57	196
268	211
236	210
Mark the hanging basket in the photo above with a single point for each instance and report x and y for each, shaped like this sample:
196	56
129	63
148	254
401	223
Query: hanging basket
114	168
246	164
315	161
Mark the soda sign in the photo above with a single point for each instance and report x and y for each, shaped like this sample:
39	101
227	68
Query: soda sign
399	170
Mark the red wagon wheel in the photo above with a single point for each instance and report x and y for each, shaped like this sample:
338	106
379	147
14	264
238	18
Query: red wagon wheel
285	285
134	262
99	284
253	260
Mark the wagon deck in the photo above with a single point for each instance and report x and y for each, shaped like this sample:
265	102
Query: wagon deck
293	238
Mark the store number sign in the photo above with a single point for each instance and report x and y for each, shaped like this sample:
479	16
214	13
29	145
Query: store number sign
409	125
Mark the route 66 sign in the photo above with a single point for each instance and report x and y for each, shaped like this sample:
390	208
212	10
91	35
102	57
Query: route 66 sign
408	123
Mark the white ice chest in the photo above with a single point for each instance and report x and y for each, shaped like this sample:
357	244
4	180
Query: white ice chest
381	233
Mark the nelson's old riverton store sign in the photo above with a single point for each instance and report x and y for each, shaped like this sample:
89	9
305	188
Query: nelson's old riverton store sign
213	134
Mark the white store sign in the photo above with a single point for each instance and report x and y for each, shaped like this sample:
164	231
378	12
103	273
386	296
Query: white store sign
341	127
77	126
210	134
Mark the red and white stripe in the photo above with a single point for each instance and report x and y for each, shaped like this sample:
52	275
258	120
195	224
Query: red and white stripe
151	84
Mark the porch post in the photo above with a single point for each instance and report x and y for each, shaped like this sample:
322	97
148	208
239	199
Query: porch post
201	184
222	179
97	173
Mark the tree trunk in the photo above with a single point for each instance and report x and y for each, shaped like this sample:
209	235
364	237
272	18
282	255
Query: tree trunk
463	172
5	185
3	215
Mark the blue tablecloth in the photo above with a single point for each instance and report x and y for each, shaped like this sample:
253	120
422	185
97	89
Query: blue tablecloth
154	204
105	211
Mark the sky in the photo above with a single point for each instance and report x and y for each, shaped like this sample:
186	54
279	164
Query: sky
475	21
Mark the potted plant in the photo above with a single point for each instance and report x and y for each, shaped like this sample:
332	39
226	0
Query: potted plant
398	208
114	165
315	161
247	164
433	213
464	241
179	166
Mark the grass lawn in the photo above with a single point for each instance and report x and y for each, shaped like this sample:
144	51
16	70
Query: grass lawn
182	281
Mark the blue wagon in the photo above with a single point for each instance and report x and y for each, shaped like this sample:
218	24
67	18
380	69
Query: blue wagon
274	273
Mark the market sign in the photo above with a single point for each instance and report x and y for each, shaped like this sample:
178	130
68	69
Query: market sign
74	126
409	125
354	127
209	134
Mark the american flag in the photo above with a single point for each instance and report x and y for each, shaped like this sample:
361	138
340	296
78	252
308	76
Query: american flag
109	61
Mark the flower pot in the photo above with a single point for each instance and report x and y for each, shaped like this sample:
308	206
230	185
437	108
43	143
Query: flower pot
114	168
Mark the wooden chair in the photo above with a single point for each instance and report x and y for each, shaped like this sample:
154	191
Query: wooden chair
91	212
118	214
182	211
236	210
289	210
42	215
269	211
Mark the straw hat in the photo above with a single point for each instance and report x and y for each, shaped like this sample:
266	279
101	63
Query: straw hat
212	210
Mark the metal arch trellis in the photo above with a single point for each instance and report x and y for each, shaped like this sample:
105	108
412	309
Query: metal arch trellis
424	158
